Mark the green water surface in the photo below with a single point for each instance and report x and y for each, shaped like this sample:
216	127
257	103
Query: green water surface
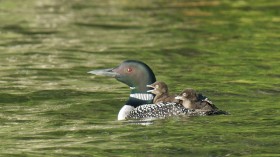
225	49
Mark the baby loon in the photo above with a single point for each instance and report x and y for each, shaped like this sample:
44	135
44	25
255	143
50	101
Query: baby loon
137	75
160	90
192	100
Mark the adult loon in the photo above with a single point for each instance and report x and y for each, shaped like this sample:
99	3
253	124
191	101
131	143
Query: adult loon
137	75
160	89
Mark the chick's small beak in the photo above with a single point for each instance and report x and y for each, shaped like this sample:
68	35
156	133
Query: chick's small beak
178	97
150	86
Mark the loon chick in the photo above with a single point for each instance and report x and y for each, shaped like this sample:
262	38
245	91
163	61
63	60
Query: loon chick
137	75
160	90
193	100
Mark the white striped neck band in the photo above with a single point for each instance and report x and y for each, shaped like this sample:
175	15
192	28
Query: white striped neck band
142	96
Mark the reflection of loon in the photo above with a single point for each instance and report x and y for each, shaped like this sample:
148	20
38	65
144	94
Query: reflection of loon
137	75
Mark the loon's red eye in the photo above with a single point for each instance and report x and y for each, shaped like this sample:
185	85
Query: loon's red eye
129	70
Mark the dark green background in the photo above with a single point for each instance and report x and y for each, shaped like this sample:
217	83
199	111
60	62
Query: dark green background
227	50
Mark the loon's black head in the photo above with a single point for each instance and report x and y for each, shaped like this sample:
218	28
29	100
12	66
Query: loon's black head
133	73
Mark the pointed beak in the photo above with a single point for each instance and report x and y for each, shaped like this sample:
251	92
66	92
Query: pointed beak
179	97
150	91
104	72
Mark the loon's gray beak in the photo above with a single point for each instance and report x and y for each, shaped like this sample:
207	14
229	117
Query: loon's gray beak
104	72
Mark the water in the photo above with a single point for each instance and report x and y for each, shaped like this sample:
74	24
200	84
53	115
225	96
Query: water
50	106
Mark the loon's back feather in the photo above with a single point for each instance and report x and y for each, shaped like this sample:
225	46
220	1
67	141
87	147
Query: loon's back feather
160	110
164	110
